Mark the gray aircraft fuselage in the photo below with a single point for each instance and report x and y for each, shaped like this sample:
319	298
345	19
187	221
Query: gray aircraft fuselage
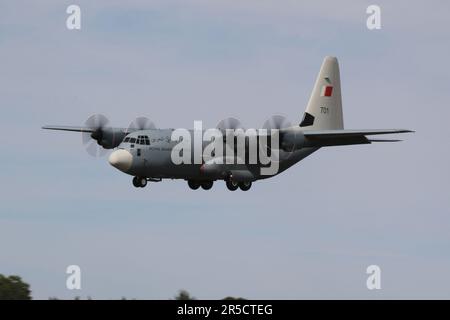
154	160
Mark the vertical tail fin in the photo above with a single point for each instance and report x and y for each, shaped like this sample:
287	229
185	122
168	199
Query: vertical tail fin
324	110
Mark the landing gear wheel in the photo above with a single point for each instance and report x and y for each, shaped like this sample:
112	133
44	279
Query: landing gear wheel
232	185
206	185
139	182
142	182
194	185
245	186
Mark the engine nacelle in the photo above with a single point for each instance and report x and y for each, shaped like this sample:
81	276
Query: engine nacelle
108	138
293	140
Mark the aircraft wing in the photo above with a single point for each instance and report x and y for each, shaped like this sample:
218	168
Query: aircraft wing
69	128
106	137
85	129
347	137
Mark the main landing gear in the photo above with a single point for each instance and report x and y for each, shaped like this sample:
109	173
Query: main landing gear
233	185
194	185
139	182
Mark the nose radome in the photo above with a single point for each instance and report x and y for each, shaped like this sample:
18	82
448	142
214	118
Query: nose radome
121	159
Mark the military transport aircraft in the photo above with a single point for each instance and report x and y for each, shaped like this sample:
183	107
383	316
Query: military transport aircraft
146	153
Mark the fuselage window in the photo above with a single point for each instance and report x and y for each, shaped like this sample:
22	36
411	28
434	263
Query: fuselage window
147	141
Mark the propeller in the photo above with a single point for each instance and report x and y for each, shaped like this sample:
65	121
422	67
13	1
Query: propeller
276	122
228	136
92	140
141	123
229	123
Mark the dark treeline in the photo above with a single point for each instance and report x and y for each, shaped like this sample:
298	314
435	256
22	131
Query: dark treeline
14	288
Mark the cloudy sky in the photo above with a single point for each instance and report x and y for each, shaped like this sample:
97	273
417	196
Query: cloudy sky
309	233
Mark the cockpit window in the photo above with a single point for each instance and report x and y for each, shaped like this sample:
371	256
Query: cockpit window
143	140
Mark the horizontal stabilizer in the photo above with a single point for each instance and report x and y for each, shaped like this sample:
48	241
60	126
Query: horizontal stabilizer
385	140
325	134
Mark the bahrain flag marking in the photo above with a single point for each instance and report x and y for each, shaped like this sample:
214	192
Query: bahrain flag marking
326	91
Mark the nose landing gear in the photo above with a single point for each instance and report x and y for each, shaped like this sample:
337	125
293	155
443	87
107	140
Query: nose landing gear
139	182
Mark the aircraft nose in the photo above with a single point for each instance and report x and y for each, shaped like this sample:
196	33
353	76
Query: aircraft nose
121	159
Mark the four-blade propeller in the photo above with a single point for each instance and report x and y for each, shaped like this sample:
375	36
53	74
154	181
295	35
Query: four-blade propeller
275	125
93	139
141	123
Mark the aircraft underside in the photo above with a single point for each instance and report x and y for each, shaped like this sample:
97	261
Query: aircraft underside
235	176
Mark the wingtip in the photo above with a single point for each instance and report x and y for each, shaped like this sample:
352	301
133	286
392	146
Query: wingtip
48	127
